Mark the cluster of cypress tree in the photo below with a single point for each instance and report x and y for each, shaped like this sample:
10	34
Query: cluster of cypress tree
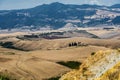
76	44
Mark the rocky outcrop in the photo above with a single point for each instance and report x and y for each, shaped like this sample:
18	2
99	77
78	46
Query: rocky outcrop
95	66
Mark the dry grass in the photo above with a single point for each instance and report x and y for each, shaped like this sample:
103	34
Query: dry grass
93	66
40	62
61	43
38	65
112	74
109	34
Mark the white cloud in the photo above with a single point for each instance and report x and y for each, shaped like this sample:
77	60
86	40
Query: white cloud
95	2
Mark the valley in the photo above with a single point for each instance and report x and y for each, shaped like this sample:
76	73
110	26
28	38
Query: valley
34	56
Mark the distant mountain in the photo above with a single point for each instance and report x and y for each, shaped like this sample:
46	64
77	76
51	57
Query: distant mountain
115	6
57	15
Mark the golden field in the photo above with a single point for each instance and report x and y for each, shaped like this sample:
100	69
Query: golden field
39	59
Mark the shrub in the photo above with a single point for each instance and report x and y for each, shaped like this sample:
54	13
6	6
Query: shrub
54	78
7	45
71	64
4	77
93	53
118	49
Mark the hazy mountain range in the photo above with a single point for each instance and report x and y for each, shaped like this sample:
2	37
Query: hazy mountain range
57	15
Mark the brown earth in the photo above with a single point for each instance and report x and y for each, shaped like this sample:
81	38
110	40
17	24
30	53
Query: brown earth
39	60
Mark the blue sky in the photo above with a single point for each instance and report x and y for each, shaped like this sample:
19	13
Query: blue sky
21	4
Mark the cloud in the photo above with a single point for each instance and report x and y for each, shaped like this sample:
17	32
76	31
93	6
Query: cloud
95	2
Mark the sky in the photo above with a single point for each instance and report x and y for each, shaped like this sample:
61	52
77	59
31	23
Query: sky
23	4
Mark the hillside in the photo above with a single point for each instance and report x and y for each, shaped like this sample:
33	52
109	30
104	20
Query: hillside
39	64
57	15
103	65
57	44
106	34
111	74
36	55
36	58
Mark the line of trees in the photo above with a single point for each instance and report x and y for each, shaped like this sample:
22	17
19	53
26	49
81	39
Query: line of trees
77	44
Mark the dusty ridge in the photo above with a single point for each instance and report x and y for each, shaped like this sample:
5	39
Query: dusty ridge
95	66
111	74
101	67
